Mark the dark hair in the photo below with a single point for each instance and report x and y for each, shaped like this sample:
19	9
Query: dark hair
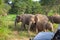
57	35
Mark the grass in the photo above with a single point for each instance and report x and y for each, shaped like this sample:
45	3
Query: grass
9	17
8	30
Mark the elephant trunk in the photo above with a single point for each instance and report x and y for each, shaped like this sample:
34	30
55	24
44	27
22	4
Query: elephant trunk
15	24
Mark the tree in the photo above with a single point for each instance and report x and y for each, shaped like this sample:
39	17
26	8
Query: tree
36	7
4	8
48	5
18	7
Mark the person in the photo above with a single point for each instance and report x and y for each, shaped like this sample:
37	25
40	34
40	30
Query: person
44	36
57	35
48	35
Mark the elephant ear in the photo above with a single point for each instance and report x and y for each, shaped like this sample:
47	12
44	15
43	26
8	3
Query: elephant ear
18	17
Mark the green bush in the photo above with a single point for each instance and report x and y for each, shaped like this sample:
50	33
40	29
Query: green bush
55	25
4	8
4	31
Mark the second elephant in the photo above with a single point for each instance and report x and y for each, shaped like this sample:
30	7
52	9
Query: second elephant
42	23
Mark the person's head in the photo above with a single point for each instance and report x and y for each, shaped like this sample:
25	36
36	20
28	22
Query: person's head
57	35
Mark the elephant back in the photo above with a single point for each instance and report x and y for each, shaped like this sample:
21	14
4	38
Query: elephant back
26	18
41	18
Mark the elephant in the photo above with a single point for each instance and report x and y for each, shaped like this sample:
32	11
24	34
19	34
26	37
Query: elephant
56	35
54	19
33	27
26	19
41	24
49	26
41	27
40	21
41	18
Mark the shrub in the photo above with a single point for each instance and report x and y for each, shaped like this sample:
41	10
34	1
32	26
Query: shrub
4	31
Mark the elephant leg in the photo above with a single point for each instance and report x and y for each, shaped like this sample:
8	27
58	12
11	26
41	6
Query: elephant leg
44	27
22	26
44	30
15	25
37	30
29	28
51	27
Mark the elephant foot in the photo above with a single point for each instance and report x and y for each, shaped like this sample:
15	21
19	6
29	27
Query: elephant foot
31	38
45	30
15	28
22	28
36	31
29	34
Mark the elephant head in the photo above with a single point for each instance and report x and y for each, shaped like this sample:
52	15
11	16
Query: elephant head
18	19
54	19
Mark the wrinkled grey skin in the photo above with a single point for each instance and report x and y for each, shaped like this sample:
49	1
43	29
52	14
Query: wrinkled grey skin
25	19
42	23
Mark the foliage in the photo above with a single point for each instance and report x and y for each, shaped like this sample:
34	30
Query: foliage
18	7
36	8
4	31
27	6
4	8
49	5
23	6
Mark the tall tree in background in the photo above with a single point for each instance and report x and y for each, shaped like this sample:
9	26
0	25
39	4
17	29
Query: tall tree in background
18	7
23	6
28	6
48	5
36	8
